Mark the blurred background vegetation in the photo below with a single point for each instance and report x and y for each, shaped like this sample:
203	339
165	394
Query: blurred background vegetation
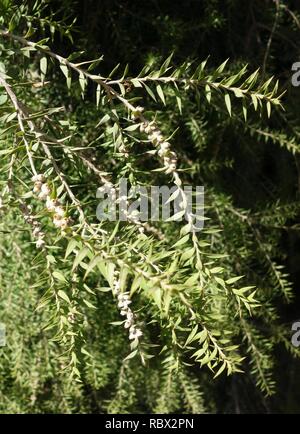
245	166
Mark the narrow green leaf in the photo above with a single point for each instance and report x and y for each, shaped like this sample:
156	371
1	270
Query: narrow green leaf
71	246
149	91
59	276
64	296
182	241
94	262
3	99
269	109
228	103
88	304
43	67
221	369
161	93
80	257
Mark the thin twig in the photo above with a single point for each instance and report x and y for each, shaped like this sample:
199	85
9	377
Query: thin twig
20	115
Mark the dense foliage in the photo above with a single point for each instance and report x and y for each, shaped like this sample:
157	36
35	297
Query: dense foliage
148	316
